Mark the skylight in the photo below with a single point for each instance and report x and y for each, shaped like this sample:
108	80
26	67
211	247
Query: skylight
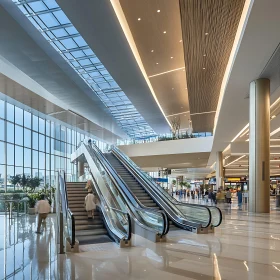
50	20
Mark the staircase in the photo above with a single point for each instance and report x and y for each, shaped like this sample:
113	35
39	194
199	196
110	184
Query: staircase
88	231
134	185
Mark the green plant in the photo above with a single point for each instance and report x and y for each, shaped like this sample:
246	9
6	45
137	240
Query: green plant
34	183
15	180
174	182
32	199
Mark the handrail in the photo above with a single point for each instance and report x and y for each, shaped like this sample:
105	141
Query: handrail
68	212
121	186
153	185
105	205
184	223
211	208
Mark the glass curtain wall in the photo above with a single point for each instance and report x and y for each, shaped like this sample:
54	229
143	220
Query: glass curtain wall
35	146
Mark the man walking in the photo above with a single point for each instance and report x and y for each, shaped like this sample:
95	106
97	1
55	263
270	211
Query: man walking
43	208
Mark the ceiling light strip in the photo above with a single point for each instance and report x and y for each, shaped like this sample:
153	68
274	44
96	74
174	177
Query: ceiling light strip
202	113
235	160
125	27
177	114
240	132
166	72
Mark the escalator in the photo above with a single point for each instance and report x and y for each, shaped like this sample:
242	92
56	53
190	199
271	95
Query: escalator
143	193
147	222
152	194
109	224
131	182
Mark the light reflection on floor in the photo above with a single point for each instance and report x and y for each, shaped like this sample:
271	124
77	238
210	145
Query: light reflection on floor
246	246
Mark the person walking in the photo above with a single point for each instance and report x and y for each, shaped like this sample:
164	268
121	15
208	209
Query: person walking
90	205
239	198
228	196
43	208
89	186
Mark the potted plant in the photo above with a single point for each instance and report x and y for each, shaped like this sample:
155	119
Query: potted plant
32	199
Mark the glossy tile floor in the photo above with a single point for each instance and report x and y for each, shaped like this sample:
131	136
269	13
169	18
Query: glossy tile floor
246	246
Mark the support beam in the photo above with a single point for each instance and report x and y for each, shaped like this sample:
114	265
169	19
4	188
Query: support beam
259	150
219	171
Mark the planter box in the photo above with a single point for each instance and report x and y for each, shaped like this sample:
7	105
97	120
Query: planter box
31	211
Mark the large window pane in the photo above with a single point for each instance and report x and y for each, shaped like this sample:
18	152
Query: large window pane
41	160
35	123
35	140
19	135
41	142
10	112
10	173
52	162
41	126
34	159
27	172
63	133
2	175
10	132
2	109
48	127
57	163
69	136
52	129
48	145
57	131
62	149
62	163
2	129
10	154
35	172
27	138
18	156
27	157
52	146
56	147
2	152
27	119
18	170
18	116
48	162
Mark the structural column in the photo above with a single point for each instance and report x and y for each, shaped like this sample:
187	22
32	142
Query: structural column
81	168
219	170
259	146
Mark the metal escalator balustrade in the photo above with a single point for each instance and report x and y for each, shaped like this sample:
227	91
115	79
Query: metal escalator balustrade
192	223
189	210
117	196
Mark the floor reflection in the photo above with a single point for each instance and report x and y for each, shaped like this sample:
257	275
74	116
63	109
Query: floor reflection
246	246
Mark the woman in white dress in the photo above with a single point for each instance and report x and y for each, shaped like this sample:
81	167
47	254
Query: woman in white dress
90	205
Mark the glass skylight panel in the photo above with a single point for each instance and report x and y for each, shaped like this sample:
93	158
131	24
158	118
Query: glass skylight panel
55	26
59	32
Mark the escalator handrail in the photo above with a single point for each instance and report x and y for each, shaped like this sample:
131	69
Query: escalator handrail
103	201
68	210
124	189
189	223
153	185
118	151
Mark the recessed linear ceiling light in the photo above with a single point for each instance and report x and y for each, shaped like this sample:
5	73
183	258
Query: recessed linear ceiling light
203	68
166	72
164	32
139	19
180	41
157	63
206	34
171	57
158	11
152	50
204	55
272	117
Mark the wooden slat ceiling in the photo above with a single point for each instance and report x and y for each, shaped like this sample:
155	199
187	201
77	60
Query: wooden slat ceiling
208	28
